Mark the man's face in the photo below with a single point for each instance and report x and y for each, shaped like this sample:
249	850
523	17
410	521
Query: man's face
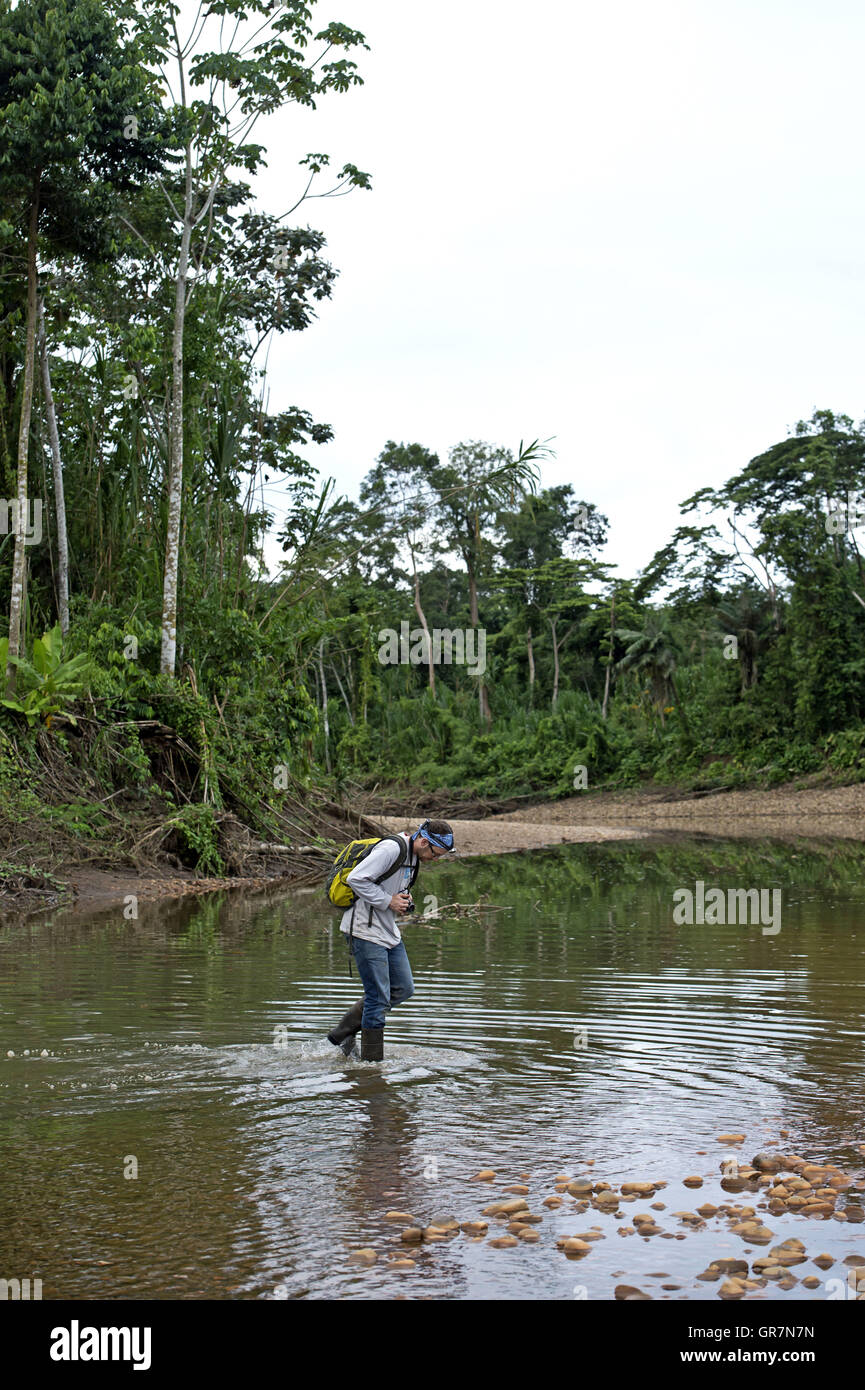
426	852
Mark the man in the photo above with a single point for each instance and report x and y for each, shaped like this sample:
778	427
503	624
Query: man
382	885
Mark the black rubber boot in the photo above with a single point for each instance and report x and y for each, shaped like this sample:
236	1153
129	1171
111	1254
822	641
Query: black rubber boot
343	1033
372	1045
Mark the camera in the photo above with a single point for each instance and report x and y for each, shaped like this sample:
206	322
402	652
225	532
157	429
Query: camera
411	906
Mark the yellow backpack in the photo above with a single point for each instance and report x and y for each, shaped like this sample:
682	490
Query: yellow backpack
337	889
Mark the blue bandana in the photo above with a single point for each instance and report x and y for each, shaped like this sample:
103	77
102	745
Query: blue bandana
440	841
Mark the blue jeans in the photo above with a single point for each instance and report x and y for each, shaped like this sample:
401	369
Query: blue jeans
386	976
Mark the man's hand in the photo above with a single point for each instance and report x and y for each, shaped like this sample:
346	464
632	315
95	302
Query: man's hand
399	902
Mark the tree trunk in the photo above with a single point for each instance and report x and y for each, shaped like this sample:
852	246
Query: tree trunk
606	692
423	623
531	652
324	705
680	706
19	563
555	664
57	466
175	455
483	701
610	657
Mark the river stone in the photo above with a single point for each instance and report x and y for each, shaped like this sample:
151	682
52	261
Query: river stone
445	1223
767	1163
785	1256
509	1208
732	1288
811	1281
710	1274
641	1189
693	1182
707	1209
752	1230
527	1234
840	1181
400	1216
485	1175
551	1202
625	1291
573	1246
733	1184
728	1265
731	1138
412	1235
518	1188
363	1257
823	1262
504	1242
659	1206
474	1228
580	1187
607	1199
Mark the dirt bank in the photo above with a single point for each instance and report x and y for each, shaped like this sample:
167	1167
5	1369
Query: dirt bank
507	834
786	812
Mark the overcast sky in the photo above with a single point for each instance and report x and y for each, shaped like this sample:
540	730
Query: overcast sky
637	228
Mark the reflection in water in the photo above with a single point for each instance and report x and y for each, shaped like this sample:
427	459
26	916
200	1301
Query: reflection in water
584	1024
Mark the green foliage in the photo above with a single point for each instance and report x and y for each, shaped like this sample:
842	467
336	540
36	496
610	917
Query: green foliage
197	833
47	684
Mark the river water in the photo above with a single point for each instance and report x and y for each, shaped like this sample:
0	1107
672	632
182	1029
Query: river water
191	1133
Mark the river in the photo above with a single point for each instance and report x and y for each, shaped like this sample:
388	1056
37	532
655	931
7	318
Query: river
189	1133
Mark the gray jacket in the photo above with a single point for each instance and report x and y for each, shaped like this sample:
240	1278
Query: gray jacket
371	916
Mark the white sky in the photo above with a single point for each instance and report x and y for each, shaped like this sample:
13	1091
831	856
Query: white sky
635	227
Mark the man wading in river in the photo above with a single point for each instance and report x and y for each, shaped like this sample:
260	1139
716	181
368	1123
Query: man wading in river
381	884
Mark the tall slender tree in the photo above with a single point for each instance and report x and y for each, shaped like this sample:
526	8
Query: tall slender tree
221	80
68	73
